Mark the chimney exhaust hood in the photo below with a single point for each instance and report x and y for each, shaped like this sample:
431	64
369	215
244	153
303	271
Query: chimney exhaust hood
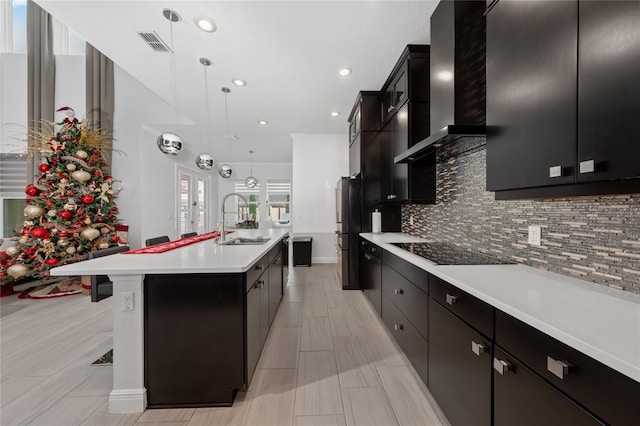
457	77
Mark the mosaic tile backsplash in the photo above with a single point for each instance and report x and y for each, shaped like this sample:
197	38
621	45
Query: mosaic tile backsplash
592	238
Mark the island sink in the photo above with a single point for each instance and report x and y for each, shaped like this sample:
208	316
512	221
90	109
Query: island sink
242	241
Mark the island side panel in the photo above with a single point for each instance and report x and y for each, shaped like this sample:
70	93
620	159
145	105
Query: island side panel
128	394
194	339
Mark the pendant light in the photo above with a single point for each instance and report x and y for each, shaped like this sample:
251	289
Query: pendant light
169	142
225	169
205	161
251	181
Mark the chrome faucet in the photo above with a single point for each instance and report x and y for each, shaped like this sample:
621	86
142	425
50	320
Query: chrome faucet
223	232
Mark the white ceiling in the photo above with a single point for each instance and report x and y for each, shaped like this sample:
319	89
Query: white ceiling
289	52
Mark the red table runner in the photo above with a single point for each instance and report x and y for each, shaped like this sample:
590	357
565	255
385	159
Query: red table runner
171	245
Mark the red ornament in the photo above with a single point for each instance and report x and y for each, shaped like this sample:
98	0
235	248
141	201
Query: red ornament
87	199
107	177
44	168
115	239
65	214
32	191
63	234
39	233
51	261
48	203
110	216
100	219
97	172
114	208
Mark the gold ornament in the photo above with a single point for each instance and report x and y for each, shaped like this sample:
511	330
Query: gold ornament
90	233
12	251
104	230
28	223
71	249
23	240
52	213
81	154
103	245
63	242
18	270
87	221
81	175
33	211
71	167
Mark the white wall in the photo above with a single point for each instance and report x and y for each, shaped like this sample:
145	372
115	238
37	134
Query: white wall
319	160
70	83
147	202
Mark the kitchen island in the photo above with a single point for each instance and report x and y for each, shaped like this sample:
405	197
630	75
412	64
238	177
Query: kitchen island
189	323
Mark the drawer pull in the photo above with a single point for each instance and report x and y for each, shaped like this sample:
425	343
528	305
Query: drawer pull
588	166
259	267
399	291
501	366
557	368
367	256
398	327
555	171
362	243
391	108
451	299
373	249
478	348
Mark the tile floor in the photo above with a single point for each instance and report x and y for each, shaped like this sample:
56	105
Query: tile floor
328	360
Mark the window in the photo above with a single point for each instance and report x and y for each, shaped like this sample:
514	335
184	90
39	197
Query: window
192	202
245	217
13	180
279	200
19	23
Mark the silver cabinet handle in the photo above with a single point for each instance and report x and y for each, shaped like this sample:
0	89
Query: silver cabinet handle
478	348
398	327
451	299
373	249
588	166
501	366
555	171
399	291
391	108
367	256
558	368
362	243
259	267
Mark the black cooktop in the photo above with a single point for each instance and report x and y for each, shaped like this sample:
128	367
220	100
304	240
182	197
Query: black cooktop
442	253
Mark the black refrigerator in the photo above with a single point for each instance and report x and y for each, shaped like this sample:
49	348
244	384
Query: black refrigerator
349	225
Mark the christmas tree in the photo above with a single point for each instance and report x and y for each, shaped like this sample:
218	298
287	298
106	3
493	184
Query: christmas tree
70	209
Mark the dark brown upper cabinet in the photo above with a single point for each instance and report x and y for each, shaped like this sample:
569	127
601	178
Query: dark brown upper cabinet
364	117
608	90
531	93
562	94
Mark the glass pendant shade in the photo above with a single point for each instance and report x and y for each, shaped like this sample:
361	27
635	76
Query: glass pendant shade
205	161
170	143
225	171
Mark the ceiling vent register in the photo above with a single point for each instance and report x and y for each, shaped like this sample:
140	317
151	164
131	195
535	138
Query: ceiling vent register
153	39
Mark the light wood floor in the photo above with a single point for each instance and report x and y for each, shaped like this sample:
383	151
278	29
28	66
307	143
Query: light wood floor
328	360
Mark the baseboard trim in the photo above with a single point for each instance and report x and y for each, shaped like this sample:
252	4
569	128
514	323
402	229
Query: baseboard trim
128	400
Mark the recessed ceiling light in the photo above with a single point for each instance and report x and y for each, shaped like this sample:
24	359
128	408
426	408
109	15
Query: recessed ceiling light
205	23
335	114
263	122
344	71
238	82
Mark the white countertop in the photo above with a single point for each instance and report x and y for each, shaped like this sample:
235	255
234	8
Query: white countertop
202	257
598	321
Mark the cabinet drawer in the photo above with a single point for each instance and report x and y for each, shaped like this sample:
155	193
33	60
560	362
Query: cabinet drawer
470	309
524	399
371	249
414	346
419	277
409	299
273	253
607	393
254	272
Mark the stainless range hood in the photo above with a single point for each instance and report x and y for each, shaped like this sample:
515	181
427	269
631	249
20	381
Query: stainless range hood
457	77
440	138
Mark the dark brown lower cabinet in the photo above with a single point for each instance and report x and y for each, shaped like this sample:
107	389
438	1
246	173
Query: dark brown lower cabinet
524	399
414	346
194	339
275	286
459	369
254	345
371	277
